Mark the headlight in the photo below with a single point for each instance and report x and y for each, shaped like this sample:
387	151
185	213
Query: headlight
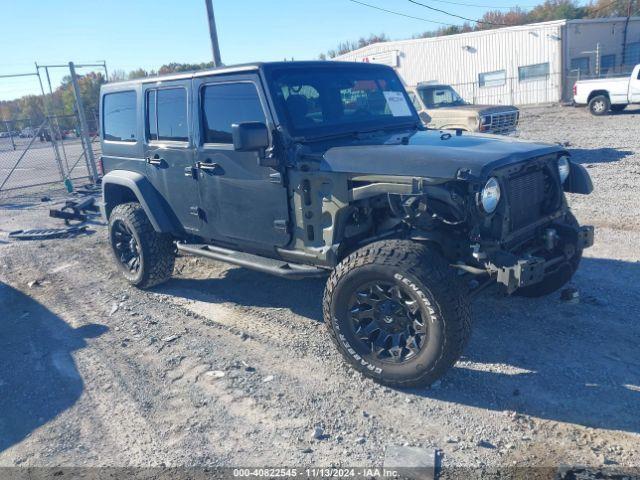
490	195
563	168
485	120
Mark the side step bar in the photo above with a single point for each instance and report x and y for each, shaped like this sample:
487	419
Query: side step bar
254	262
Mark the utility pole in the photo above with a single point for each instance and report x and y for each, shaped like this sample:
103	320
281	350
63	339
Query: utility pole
213	33
624	35
84	129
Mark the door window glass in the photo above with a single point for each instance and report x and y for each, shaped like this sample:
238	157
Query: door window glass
167	115
226	104
119	116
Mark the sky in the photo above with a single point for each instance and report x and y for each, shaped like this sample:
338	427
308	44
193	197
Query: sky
129	34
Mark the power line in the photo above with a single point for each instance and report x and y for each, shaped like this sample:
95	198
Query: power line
494	7
402	14
458	16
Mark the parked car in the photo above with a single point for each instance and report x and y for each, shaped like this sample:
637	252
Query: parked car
313	169
440	107
603	95
27	132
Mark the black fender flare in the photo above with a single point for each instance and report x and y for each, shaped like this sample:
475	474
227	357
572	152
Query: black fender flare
579	180
145	193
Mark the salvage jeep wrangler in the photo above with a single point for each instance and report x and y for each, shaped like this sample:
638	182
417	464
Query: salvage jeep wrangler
309	169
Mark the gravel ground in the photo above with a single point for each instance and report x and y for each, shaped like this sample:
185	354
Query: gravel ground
223	366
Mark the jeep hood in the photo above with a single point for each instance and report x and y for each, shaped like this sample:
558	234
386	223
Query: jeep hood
433	154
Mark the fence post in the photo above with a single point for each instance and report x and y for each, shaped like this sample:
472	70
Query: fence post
84	129
47	113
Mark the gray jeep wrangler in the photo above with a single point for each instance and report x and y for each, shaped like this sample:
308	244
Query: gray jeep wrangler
307	169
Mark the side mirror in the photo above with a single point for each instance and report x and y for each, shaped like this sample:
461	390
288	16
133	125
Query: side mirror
249	136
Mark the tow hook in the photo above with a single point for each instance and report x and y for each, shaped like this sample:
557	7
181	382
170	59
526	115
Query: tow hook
550	238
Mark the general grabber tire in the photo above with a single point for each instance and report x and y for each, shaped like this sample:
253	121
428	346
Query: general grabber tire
397	312
558	279
144	256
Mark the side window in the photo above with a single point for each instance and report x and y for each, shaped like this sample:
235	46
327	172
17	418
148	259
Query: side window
582	64
119	116
167	115
226	104
533	72
493	79
607	62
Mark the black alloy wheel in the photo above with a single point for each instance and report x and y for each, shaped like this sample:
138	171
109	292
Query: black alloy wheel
388	321
125	246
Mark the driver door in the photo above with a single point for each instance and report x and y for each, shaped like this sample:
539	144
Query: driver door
242	202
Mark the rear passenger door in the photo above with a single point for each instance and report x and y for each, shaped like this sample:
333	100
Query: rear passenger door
169	151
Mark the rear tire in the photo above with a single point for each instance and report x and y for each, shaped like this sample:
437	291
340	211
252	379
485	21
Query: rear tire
618	108
397	313
599	105
558	279
144	256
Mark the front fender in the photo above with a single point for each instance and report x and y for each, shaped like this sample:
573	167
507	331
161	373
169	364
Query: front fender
142	190
579	180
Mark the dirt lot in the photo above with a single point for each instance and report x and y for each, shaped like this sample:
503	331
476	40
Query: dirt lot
225	366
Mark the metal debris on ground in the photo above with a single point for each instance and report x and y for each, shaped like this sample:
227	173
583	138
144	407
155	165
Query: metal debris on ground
78	211
410	462
570	295
47	233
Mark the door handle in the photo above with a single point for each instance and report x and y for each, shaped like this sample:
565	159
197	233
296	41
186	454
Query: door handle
155	160
212	167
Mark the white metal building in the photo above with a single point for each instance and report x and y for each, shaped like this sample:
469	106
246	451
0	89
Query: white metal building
528	64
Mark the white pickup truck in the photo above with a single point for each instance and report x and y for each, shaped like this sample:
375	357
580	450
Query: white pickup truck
608	94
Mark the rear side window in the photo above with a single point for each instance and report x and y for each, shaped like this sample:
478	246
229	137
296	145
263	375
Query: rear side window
167	118
119	116
226	104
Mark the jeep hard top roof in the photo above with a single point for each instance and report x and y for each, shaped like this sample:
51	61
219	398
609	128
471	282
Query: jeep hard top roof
241	68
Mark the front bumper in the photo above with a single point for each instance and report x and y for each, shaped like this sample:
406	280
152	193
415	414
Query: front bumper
515	272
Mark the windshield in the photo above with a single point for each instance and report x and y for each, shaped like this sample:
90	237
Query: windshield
325	100
440	96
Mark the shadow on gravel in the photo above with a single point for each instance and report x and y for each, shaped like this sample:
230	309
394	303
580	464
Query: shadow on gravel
576	363
250	288
38	376
598	155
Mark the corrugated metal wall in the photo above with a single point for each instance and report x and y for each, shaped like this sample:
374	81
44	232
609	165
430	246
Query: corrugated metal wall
460	59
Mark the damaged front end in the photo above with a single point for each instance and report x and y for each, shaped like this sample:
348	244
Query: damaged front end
517	239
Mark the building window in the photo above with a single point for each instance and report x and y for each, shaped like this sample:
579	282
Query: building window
533	72
607	62
226	104
493	79
581	64
632	55
167	115
119	116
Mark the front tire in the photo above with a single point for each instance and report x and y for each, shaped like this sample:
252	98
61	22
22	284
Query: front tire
144	256
397	313
599	105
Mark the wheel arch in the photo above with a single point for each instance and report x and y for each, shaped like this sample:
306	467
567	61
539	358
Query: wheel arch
122	186
597	93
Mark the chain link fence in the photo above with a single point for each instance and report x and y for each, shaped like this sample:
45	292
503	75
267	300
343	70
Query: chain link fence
45	151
